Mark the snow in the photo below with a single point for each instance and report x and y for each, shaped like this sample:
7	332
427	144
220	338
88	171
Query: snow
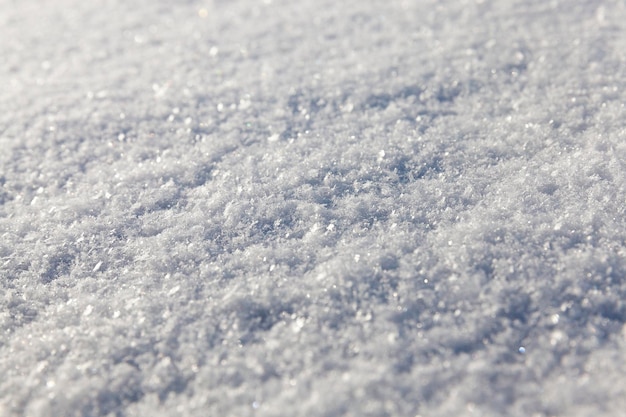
312	208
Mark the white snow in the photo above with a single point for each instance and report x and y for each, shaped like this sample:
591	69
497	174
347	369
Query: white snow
312	208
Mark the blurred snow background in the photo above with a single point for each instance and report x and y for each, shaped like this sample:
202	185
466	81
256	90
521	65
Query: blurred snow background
312	208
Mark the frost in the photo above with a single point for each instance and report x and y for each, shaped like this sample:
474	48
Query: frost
312	208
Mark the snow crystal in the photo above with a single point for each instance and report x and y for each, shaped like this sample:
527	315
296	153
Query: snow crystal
312	208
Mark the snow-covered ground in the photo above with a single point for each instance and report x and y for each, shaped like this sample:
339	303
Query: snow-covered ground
312	208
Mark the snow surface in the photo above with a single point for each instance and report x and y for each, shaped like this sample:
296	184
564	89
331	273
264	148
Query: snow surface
312	208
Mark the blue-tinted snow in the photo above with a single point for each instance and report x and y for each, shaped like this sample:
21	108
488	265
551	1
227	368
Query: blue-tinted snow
312	208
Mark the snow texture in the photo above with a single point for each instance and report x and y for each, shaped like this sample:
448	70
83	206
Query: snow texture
312	208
